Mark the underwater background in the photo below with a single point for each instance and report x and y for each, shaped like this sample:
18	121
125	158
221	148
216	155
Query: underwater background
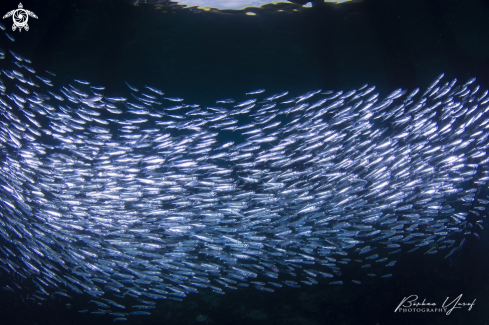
203	56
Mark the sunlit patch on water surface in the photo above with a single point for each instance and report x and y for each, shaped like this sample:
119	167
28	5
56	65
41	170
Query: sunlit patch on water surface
213	5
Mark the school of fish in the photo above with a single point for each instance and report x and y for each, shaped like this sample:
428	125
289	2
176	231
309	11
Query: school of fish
149	197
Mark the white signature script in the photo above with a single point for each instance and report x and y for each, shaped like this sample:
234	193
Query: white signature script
447	306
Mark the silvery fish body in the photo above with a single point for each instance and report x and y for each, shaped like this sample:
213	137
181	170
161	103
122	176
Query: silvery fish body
106	197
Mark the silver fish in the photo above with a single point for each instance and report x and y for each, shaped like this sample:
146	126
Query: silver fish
96	200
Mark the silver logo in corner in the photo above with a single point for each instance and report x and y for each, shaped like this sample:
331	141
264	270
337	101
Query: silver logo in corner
20	17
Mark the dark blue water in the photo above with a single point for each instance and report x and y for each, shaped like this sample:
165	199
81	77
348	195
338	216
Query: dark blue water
207	56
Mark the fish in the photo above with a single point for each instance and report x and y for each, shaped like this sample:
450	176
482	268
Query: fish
277	96
120	319
100	202
155	90
45	80
145	313
16	56
254	92
10	37
174	99
83	82
246	102
131	87
225	101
